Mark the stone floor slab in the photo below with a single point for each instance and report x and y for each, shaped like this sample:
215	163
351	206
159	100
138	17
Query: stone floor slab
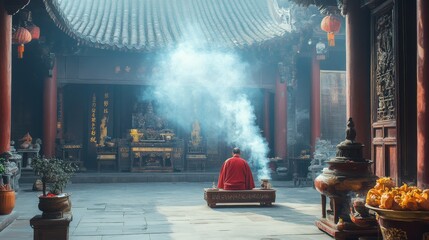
158	211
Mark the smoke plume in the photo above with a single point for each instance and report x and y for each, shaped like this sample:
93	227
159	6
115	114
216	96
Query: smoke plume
193	82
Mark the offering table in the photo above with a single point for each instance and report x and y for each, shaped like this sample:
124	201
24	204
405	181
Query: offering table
156	156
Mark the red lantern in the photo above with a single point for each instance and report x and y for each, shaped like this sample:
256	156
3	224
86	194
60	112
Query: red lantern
34	31
331	25
21	36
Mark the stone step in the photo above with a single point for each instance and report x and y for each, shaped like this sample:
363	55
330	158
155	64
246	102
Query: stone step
127	177
114	177
6	220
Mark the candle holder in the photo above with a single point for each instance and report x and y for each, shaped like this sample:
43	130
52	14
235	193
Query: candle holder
265	184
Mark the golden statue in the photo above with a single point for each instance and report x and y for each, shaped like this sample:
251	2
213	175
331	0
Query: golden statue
136	135
196	134
103	131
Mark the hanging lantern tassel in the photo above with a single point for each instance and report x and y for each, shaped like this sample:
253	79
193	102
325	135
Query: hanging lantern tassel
20	50
331	39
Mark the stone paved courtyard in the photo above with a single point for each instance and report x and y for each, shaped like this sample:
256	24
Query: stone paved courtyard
159	211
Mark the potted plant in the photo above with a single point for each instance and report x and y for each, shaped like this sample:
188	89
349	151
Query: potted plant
2	167
55	174
7	194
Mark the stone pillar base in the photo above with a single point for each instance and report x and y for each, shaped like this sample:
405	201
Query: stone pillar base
48	229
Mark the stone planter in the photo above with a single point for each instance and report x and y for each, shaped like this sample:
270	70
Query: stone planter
398	225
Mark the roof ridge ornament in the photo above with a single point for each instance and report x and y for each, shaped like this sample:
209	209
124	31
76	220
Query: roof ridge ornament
343	6
329	10
326	7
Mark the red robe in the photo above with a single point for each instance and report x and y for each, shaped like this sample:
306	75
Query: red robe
235	174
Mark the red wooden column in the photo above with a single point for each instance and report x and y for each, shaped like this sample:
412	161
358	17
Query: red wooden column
50	113
280	119
315	102
422	93
5	77
358	73
267	132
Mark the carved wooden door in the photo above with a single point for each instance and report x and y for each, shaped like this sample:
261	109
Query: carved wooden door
393	88
384	91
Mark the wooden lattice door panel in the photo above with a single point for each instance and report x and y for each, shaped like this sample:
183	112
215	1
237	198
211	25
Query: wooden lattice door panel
385	149
384	95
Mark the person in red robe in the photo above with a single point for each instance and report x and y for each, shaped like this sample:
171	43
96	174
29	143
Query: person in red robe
235	173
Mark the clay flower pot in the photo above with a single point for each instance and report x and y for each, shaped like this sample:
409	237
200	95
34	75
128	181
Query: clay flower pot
7	202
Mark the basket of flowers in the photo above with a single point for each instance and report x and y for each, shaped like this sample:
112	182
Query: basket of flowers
403	212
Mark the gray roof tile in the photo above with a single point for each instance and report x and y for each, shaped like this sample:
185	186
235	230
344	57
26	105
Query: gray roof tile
146	25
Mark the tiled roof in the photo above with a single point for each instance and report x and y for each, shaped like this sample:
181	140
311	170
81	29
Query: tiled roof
146	25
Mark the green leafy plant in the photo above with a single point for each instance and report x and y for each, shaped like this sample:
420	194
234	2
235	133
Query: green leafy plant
324	151
53	172
3	187
2	167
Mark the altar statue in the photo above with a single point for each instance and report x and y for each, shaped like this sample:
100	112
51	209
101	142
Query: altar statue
196	134
151	120
103	131
137	118
148	120
26	141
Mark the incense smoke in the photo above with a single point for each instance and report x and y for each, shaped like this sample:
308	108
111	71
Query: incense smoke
194	83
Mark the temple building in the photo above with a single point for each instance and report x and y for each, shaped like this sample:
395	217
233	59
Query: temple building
85	86
171	86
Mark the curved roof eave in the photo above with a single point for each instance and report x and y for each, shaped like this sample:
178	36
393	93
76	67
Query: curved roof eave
144	25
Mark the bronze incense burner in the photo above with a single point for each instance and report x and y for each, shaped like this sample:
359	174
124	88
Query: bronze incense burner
345	182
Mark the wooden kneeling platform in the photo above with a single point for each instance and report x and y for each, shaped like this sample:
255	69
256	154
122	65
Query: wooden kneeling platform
263	196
